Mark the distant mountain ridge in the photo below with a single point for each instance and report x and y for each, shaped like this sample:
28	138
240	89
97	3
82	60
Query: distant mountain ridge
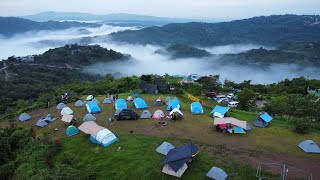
267	30
13	25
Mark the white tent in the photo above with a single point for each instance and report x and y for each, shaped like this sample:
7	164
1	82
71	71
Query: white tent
176	110
66	110
67	118
89	98
104	137
129	98
168	170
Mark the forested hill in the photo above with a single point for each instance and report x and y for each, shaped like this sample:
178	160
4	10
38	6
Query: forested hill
13	25
183	51
269	30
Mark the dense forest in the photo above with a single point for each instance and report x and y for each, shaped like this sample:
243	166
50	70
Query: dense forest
267	30
13	25
183	51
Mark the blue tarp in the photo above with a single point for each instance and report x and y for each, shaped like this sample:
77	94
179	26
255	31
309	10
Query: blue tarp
121	104
220	109
93	107
309	146
140	103
266	117
174	104
71	131
196	108
178	156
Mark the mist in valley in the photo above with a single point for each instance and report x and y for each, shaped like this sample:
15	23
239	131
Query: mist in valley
144	60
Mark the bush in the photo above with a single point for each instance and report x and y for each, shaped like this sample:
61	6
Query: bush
301	126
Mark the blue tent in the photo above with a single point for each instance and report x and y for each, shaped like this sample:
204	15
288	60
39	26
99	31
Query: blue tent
177	157
79	103
260	123
121	104
93	107
266	117
309	146
41	123
174	104
238	129
104	137
196	108
220	109
134	95
248	127
140	103
24	117
71	131
217	174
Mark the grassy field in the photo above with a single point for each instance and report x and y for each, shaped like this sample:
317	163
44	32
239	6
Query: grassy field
238	154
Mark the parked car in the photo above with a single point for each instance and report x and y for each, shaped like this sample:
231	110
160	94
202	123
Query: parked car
233	104
230	96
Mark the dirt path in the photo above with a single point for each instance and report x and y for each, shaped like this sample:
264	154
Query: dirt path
7	75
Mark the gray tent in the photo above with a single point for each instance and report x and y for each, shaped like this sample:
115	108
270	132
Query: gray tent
24	117
61	106
164	148
79	103
145	114
49	118
260	123
309	146
41	123
248	127
89	117
96	100
107	101
217	174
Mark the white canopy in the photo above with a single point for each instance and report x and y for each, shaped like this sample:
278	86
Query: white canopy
67	118
168	170
231	120
176	110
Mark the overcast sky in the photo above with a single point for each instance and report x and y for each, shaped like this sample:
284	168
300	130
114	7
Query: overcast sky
168	8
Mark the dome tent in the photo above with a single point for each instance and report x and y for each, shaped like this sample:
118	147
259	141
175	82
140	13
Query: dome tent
145	114
309	146
107	101
61	106
139	103
79	103
93	107
173	104
121	104
71	131
104	137
49	118
217	173
129	98
41	123
96	100
66	111
164	148
158	114
89	117
24	117
196	108
127	114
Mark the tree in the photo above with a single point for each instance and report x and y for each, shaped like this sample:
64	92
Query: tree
245	97
210	83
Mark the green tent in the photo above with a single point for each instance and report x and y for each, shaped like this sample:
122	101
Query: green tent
71	131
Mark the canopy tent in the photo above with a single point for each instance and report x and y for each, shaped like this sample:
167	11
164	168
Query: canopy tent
158	114
217	174
89	98
79	103
230	120
219	111
158	103
130	98
66	110
238	130
60	106
164	148
309	146
196	108
260	123
121	104
127	114
71	131
140	103
67	118
107	101
177	157
135	95
49	118
24	117
89	117
41	123
168	170
177	111
96	100
98	134
145	114
266	117
173	104
104	137
93	107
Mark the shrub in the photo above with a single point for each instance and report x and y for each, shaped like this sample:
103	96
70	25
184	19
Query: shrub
301	126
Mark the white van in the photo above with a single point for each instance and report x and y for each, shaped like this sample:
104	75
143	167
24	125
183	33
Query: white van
233	104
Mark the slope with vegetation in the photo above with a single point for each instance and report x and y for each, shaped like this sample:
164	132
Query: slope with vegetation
183	51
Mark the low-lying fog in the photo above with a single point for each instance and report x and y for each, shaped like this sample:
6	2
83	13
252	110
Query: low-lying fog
145	61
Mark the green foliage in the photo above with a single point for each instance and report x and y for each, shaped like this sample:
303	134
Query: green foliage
245	97
184	50
210	83
301	125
